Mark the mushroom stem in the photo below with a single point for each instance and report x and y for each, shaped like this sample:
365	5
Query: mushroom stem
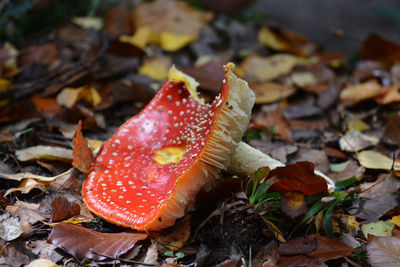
247	159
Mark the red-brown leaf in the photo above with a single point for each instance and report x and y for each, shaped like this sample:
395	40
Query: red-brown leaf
83	157
63	209
298	177
83	243
306	253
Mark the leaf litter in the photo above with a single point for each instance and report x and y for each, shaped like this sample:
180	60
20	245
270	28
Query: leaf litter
312	108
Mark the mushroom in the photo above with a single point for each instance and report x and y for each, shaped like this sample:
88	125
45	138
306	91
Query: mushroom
148	174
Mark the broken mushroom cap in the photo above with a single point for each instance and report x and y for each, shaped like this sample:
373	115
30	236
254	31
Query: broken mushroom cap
147	175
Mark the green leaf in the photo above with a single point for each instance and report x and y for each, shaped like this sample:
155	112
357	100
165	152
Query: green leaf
317	207
169	254
340	185
339	167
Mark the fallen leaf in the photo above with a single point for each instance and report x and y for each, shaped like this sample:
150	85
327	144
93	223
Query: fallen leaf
354	141
63	209
27	185
297	177
178	236
82	155
362	91
28	214
156	68
383	251
117	21
378	49
303	79
392	95
89	22
349	224
210	75
358	125
42	263
293	204
268	38
83	243
21	176
161	22
267	255
45	250
10	228
392	131
374	160
301	111
270	92
313	249
381	228
69	96
263	69
44	53
44	152
46	106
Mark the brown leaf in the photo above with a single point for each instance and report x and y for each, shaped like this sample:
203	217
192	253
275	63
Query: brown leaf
325	249
379	49
392	131
383	251
293	204
117	21
392	95
46	106
63	209
271	92
28	213
83	156
210	75
83	243
298	177
363	91
44	53
175	239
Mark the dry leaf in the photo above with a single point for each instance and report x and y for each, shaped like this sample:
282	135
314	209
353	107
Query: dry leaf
27	175
44	53
177	238
82	154
354	141
378	49
392	95
69	96
44	153
28	213
363	91
297	177
42	263
156	68
10	228
293	204
89	22
392	131
63	209
381	228
46	106
263	69
384	251
28	185
83	243
374	160
271	92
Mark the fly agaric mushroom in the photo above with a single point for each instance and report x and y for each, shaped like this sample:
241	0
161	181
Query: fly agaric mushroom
147	175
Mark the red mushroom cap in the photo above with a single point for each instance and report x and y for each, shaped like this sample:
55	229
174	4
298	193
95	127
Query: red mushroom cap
148	174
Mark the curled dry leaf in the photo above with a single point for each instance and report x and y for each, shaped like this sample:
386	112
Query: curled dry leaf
83	156
27	175
263	69
384	251
69	96
27	185
44	152
83	243
297	177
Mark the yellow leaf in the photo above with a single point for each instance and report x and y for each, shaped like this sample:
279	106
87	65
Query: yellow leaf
396	220
175	239
27	185
11	62
89	22
381	228
155	69
269	39
142	37
42	263
69	96
358	125
375	160
303	79
173	42
44	152
266	69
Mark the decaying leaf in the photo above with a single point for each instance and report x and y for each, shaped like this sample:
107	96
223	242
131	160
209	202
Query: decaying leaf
263	69
83	243
83	156
156	68
175	240
355	141
384	251
69	96
44	153
28	214
310	250
63	209
27	185
381	228
363	91
297	177
10	227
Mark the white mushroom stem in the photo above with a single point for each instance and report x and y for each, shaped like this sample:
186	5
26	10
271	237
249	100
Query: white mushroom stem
247	159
